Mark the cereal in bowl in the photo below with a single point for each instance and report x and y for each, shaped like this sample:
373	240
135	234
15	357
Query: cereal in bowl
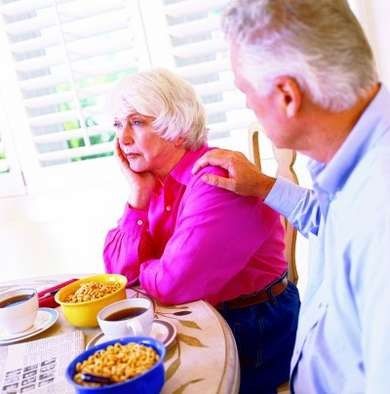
117	362
90	291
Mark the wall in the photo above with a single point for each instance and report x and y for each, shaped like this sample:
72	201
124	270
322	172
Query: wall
374	16
61	232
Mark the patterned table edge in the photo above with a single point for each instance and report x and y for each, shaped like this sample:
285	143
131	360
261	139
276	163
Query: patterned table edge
229	385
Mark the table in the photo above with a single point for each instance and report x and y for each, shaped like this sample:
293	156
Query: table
203	359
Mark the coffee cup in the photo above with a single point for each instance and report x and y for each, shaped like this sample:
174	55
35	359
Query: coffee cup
18	309
130	317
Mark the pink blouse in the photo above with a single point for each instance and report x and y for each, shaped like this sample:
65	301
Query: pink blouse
197	241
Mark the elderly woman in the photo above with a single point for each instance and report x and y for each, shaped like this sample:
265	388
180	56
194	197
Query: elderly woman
184	240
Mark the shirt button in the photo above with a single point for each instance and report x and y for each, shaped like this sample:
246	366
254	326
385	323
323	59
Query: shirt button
168	208
140	222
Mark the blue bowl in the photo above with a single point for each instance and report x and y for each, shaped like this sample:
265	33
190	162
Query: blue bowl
150	382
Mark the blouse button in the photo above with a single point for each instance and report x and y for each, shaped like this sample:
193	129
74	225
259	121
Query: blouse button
168	208
140	222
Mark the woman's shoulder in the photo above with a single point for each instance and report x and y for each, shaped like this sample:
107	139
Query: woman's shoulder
209	169
183	170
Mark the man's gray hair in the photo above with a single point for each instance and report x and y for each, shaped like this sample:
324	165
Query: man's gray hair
168	98
320	43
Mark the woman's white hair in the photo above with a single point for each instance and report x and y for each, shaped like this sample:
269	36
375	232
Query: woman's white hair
168	98
320	43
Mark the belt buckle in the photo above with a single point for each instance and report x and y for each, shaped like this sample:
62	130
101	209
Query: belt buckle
282	281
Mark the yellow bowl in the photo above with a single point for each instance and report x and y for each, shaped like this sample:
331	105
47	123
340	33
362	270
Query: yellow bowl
83	314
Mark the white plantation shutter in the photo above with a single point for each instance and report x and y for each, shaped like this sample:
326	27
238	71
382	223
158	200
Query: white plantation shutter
63	56
66	55
198	51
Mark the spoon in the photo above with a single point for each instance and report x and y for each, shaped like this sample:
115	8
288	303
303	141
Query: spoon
91	378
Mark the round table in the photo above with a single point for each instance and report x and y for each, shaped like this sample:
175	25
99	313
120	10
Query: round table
202	359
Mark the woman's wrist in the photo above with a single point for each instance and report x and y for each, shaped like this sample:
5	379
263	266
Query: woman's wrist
138	202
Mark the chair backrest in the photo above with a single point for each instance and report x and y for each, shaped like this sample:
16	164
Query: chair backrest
285	159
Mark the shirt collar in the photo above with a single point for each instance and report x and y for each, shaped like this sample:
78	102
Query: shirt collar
182	171
332	176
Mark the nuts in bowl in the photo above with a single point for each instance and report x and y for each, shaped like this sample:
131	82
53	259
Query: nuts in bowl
82	300
124	365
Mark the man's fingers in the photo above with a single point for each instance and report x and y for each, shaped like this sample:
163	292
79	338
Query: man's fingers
201	163
213	158
219	181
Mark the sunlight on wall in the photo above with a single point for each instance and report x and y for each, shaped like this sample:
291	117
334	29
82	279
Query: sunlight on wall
57	233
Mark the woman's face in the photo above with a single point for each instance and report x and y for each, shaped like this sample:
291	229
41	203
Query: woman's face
144	149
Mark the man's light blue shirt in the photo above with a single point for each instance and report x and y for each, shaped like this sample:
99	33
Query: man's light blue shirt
343	338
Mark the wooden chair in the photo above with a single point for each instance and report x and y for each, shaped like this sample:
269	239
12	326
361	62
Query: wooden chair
285	159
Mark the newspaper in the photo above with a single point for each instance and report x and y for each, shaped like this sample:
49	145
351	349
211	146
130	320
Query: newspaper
39	366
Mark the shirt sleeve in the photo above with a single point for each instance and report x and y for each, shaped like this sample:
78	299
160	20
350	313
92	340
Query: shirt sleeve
128	244
299	205
216	234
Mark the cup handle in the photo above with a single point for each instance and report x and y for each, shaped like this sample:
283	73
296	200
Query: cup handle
135	327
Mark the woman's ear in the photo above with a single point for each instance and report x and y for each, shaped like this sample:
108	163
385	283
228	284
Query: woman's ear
290	95
179	142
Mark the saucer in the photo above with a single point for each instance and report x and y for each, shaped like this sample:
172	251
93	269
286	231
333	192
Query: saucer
46	317
162	330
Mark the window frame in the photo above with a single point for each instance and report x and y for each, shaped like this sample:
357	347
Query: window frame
12	183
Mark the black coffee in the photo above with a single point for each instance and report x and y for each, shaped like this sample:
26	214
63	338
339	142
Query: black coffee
125	314
15	300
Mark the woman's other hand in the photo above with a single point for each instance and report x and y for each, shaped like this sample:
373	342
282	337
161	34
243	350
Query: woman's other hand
141	185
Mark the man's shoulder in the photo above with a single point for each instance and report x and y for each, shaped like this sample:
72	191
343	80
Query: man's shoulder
374	169
367	190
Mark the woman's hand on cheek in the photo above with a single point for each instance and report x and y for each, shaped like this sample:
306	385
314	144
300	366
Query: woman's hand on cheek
141	185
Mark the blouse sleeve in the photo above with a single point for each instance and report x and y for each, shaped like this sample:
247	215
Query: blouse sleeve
128	244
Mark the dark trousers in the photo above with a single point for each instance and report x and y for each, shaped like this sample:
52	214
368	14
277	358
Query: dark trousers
265	336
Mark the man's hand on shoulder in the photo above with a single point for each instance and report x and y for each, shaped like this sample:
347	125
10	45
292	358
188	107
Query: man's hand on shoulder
244	177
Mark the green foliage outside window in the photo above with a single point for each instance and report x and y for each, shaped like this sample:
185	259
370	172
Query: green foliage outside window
90	121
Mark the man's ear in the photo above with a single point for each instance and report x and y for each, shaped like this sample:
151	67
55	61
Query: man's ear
289	95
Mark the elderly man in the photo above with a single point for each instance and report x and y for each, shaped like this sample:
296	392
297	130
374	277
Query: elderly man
308	72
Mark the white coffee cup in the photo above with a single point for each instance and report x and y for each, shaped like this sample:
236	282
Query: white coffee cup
18	309
130	317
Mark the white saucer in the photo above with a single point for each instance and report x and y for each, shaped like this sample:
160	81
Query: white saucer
162	330
46	317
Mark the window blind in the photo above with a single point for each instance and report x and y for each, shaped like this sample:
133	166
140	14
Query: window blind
200	55
66	54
